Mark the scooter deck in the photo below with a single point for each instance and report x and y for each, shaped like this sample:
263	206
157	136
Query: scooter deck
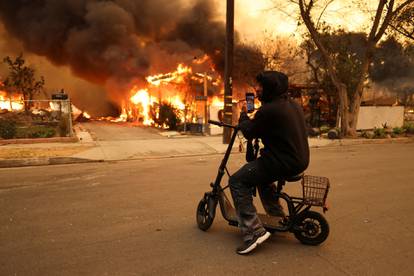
268	221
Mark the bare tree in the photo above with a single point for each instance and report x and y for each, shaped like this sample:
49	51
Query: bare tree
349	103
283	54
403	24
21	79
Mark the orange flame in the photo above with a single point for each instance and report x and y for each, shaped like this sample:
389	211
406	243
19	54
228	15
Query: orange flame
86	115
217	102
10	103
122	118
177	76
176	102
201	60
143	100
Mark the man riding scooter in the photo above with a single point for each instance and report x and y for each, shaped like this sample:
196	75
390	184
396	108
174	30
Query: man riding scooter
280	125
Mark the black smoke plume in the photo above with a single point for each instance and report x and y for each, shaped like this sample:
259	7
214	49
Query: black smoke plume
120	41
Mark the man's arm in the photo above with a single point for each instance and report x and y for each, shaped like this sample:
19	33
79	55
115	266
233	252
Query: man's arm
252	128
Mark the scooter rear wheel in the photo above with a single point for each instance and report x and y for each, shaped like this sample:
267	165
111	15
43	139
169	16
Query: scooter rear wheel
204	218
311	228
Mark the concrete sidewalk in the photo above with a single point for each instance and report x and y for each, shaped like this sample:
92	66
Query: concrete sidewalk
88	150
190	146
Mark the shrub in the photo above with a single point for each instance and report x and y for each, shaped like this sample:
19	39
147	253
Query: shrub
368	134
36	132
380	132
41	132
325	129
167	116
398	130
7	129
409	128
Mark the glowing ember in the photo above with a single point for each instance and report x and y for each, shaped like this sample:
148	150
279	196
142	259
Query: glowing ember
86	115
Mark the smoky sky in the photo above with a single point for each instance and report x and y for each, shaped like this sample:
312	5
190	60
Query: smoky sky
116	39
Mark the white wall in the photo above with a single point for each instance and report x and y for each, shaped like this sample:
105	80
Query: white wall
376	116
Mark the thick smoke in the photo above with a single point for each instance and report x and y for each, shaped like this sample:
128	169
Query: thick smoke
119	41
392	70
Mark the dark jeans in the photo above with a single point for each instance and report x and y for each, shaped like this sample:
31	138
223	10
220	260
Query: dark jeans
241	185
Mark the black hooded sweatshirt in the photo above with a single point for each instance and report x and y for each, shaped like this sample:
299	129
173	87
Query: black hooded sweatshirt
280	124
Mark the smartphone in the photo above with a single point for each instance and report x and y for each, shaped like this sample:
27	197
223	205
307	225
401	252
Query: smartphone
250	102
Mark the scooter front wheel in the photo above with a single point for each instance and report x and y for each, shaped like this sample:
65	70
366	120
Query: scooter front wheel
205	214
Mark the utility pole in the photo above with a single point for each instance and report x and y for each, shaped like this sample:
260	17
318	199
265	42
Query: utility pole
228	71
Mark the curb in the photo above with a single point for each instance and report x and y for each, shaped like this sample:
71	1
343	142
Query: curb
39	140
352	142
14	163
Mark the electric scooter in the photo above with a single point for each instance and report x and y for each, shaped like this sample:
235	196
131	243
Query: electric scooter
308	226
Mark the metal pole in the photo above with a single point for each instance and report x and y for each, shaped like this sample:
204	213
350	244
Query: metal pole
228	71
206	115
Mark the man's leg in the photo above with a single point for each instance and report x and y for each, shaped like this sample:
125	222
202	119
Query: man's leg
241	184
270	201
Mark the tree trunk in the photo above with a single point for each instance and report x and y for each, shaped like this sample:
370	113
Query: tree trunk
343	108
354	112
355	101
26	103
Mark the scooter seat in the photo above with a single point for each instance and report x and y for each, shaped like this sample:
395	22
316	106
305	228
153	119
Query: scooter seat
293	178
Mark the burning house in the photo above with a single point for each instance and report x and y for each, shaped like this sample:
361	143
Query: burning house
178	90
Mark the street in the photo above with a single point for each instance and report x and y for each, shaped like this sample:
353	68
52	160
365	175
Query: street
138	218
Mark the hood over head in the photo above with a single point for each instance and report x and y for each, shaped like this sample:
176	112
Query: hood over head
274	83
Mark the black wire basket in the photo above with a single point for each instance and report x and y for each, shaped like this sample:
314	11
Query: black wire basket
315	190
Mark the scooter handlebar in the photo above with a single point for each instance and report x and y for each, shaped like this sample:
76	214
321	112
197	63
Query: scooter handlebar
221	124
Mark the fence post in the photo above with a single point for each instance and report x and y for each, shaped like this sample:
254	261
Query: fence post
70	123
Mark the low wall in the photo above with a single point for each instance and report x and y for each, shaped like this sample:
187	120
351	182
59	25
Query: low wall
376	116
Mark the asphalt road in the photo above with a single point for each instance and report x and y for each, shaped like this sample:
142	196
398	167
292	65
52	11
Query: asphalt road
138	218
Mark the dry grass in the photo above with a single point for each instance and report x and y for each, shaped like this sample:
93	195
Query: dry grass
18	153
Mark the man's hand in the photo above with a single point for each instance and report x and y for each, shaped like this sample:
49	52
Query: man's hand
243	117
